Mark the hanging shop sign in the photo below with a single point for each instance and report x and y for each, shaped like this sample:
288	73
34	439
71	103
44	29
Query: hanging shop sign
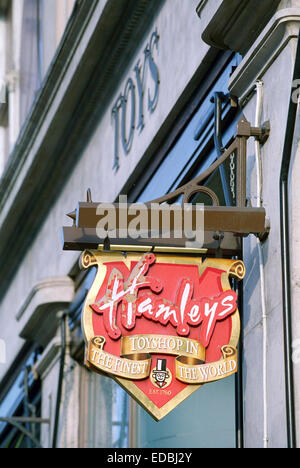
161	325
166	322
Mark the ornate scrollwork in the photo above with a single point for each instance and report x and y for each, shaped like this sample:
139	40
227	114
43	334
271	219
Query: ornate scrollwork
99	341
200	189
88	259
228	351
238	270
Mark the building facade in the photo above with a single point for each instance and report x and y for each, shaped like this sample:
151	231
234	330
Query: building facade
121	97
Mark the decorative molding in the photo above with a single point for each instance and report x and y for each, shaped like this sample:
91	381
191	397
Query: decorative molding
282	28
38	313
237	23
200	7
45	287
48	359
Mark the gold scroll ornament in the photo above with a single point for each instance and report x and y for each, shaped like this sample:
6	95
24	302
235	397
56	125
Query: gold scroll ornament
135	360
189	372
134	368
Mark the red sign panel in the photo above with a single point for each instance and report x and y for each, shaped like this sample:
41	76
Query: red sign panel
162	326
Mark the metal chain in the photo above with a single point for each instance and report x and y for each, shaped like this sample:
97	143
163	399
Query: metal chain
232	175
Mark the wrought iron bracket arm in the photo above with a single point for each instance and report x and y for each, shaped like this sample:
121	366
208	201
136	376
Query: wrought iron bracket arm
244	129
234	221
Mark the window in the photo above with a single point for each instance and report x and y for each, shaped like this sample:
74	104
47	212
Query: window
43	25
120	411
23	399
205	420
30	66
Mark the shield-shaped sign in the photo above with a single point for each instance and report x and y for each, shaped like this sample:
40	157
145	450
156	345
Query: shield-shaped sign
161	325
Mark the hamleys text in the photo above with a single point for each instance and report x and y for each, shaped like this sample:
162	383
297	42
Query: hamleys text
124	298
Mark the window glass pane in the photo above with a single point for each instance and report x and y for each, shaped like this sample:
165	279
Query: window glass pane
205	420
107	415
15	404
120	418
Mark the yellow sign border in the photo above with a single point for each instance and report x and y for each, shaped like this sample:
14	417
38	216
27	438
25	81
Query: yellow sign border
91	258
